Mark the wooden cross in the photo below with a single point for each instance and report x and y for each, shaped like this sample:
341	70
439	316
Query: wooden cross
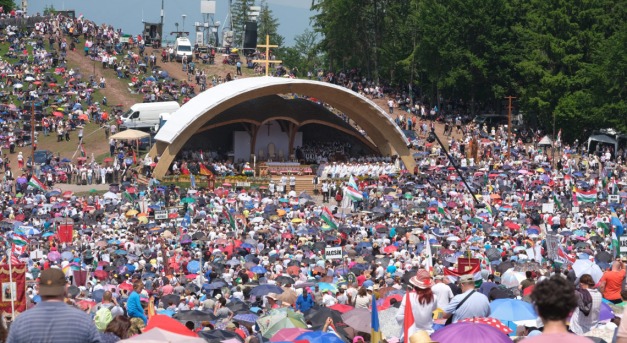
267	61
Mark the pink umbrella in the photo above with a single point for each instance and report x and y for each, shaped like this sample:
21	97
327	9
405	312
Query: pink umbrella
54	256
288	334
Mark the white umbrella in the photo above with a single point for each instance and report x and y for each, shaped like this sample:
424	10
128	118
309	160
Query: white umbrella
29	79
257	220
453	239
587	267
18	85
110	195
511	278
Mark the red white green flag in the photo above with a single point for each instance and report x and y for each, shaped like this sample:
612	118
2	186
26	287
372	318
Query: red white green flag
327	217
35	183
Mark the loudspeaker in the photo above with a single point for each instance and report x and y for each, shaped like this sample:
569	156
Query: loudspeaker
250	35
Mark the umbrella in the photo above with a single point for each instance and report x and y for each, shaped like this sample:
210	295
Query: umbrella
606	312
54	256
325	286
264	289
358	319
471	333
341	308
194	315
246	317
512	310
318	316
280	319
170	299
489	321
512	278
193	267
218	336
493	254
288	334
258	270
603	256
238	307
169	324
587	267
319	337
161	335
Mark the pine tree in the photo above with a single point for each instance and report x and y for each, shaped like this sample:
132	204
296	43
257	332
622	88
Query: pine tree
239	12
268	25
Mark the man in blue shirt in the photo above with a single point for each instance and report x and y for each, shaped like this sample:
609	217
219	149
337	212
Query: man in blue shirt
304	301
134	307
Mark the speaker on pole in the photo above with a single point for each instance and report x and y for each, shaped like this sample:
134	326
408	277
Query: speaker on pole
250	35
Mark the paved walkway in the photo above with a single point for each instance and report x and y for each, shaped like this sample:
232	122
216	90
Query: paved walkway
80	188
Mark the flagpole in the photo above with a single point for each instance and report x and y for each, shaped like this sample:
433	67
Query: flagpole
10	255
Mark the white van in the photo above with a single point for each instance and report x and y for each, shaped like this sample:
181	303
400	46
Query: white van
183	47
147	115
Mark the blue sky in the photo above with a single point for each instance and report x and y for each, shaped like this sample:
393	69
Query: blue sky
293	15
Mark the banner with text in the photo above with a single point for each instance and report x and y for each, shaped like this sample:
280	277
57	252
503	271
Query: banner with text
13	289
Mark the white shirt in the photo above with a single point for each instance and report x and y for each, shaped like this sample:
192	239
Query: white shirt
443	294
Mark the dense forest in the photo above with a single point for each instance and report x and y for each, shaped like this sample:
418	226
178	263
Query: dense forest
564	60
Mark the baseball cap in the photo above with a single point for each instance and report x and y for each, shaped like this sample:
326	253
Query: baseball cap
52	282
466	278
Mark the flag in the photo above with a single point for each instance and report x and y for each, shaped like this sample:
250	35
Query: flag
429	255
454	275
605	227
557	202
586	196
352	193
134	157
128	196
205	171
615	244
559	135
18	249
443	211
408	320
35	183
230	218
563	257
19	239
327	217
574	196
618	226
489	208
375	332
352	183
83	152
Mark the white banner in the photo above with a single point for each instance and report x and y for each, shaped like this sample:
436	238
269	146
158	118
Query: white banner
332	253
161	214
623	244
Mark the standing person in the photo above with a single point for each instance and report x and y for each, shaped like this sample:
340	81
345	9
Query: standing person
611	282
423	303
325	191
554	300
528	282
586	315
53	320
468	304
239	68
134	307
443	293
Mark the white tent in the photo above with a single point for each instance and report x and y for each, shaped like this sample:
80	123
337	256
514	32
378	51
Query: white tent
545	141
130	135
601	138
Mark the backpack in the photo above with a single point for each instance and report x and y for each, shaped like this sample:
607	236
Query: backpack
102	318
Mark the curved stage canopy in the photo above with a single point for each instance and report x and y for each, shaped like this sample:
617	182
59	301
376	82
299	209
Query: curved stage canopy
200	113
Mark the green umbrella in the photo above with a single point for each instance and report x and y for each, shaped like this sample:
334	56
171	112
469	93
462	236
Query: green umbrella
408	196
279	319
476	220
188	200
93	191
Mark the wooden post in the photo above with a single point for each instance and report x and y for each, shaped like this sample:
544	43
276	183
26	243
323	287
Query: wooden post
509	124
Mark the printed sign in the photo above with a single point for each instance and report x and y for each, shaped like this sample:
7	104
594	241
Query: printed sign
161	214
613	199
623	244
552	242
548	207
333	253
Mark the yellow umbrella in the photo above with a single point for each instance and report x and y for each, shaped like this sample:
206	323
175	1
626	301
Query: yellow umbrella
281	213
131	213
143	219
142	214
297	220
540	170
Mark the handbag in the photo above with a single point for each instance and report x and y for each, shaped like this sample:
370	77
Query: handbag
450	319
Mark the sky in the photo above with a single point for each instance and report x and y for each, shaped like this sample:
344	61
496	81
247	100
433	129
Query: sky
293	15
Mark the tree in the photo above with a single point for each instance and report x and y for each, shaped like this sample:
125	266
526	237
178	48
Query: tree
268	25
7	5
239	13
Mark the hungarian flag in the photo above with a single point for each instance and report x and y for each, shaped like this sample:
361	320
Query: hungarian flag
83	152
19	240
205	171
230	218
352	183
474	270
327	217
557	202
408	320
35	183
605	227
354	194
586	196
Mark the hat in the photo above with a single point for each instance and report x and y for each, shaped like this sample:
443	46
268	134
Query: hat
370	288
52	282
230	325
467	278
439	277
421	337
272	296
422	279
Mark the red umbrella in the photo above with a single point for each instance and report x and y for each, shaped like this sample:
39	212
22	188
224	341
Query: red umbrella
108	159
168	324
125	285
390	249
226	184
495	323
57	114
191	276
386	303
341	308
101	274
512	225
173	215
293	270
286	235
20	217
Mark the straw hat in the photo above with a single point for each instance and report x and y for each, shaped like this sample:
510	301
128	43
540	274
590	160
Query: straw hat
422	279
421	337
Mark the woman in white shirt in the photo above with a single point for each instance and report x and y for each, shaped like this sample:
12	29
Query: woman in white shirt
423	303
362	300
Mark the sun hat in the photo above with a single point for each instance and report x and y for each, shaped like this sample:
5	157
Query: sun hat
422	279
468	278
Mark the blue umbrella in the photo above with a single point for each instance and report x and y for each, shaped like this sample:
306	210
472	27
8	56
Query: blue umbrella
246	317
97	295
193	267
512	310
113	241
264	289
168	313
247	246
533	231
319	337
325	286
121	252
47	234
258	270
